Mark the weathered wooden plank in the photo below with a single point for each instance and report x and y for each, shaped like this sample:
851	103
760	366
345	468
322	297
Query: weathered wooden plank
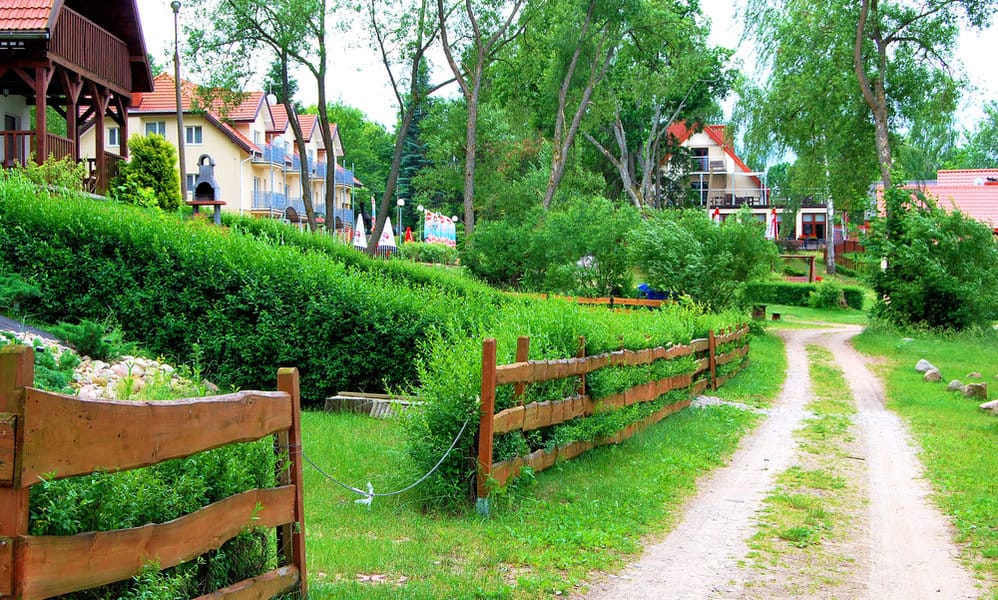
508	420
531	417
700	345
65	436
261	587
292	535
516	372
733	355
535	459
6	566
487	417
7	424
54	565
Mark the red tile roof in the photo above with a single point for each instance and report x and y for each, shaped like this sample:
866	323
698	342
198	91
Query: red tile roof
682	132
280	115
978	202
25	15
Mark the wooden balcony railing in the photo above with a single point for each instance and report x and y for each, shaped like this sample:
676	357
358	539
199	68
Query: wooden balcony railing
82	42
16	147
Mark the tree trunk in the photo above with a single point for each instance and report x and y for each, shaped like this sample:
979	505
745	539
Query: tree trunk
471	153
306	186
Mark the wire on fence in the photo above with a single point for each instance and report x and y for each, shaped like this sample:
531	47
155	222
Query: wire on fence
370	494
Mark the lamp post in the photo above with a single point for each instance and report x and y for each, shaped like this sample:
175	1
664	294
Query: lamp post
175	5
422	218
398	224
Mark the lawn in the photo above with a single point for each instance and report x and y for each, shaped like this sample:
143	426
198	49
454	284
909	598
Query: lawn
545	537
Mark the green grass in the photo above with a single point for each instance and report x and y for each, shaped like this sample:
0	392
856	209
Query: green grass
584	515
803	316
958	440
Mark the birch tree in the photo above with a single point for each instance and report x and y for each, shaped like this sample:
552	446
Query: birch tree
483	26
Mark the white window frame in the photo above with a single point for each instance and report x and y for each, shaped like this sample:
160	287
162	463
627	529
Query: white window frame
155	127
113	137
193	135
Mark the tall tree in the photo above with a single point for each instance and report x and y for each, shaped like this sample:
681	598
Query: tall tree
663	71
899	43
368	145
237	32
483	27
826	126
402	31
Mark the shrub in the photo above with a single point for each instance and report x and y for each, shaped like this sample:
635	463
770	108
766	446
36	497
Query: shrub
149	178
93	339
15	291
826	294
684	252
942	267
797	294
440	254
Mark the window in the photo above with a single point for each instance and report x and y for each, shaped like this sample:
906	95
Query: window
156	127
256	138
113	137
193	134
814	225
700	160
190	184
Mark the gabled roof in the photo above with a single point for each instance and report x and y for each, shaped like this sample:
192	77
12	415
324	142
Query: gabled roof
38	19
717	133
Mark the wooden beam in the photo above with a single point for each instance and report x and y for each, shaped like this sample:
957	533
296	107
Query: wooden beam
268	585
74	87
56	565
488	408
292	536
522	356
17	370
67	436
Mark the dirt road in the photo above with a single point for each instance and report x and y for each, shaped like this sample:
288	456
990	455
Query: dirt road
905	550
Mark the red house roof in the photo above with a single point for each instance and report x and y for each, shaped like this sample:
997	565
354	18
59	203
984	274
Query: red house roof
973	192
683	132
26	15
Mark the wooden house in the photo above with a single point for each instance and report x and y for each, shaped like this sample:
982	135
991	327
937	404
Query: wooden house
78	58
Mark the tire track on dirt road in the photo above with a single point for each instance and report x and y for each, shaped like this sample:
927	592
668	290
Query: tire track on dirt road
912	555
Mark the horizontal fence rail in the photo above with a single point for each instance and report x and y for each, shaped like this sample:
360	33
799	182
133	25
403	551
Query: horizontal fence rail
536	415
43	434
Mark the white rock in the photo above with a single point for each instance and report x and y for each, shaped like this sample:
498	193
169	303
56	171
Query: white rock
923	365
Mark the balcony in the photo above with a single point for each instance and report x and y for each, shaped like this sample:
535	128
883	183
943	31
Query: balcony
79	42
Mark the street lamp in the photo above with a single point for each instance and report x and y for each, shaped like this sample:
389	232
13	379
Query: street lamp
175	5
422	217
398	224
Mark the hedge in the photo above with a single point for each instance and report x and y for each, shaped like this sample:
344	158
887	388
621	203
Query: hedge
238	308
796	294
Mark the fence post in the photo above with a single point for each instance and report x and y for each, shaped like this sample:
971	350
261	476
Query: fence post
291	537
522	355
17	371
712	358
485	424
582	354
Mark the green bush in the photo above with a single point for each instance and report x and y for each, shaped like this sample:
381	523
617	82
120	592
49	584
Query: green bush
149	178
684	252
439	254
942	267
827	294
93	339
15	291
796	294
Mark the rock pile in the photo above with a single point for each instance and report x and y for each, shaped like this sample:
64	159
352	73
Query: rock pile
97	379
976	390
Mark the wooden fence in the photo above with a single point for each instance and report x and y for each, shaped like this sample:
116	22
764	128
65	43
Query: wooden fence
55	435
544	414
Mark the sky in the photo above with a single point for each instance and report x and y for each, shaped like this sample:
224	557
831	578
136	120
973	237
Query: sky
357	77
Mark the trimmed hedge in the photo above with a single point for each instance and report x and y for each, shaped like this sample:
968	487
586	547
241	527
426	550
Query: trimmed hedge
796	294
239	308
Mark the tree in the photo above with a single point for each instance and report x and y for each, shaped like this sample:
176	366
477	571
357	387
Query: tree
943	266
981	148
486	27
367	144
808	103
402	31
273	83
900	46
663	72
150	177
238	30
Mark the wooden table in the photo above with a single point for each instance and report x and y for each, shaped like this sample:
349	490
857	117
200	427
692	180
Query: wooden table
197	204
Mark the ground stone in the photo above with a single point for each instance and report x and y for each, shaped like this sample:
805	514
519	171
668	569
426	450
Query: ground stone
974	375
992	406
923	365
976	390
955	386
933	375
